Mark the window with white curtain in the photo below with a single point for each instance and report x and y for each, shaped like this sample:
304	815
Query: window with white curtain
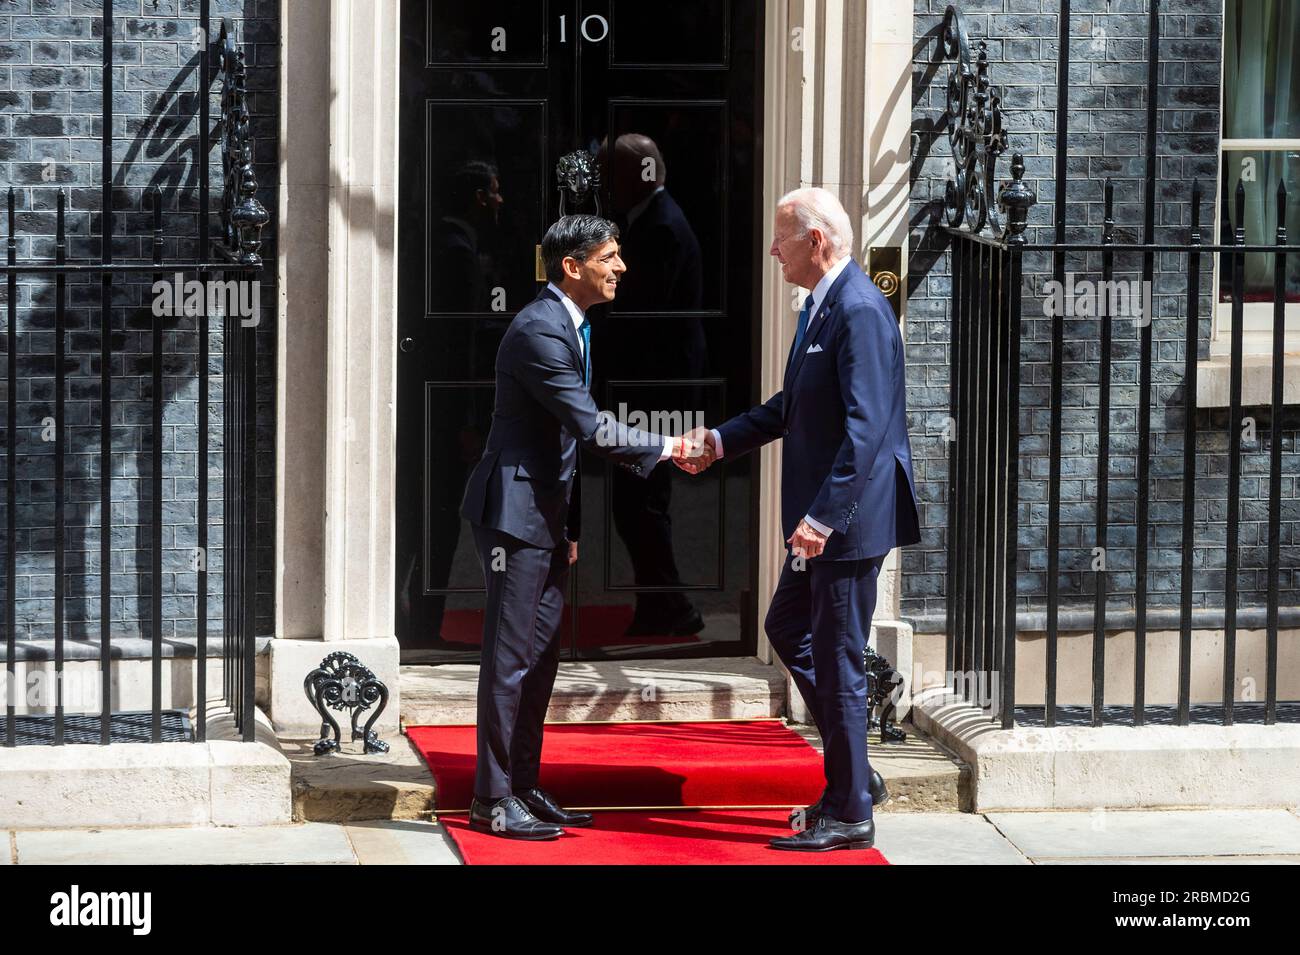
1260	148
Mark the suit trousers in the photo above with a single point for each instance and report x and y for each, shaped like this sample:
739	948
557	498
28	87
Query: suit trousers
819	623
520	657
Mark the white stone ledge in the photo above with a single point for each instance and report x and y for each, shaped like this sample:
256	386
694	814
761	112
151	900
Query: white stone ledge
1213	378
1115	766
219	782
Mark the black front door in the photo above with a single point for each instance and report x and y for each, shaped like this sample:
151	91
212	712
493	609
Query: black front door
664	99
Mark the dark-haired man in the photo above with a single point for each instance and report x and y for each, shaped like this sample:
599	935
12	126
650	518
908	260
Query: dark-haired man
519	501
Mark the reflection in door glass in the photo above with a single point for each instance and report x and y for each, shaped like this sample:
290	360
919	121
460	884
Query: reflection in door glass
485	206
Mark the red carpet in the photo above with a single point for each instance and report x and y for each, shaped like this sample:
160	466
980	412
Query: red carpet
645	765
758	768
599	625
667	837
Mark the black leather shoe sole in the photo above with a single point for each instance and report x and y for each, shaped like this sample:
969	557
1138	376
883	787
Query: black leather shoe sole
486	827
868	844
583	824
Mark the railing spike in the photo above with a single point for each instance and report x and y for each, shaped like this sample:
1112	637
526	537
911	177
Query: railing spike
1195	236
1239	233
1108	223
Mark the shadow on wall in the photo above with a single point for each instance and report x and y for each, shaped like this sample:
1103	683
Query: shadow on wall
160	148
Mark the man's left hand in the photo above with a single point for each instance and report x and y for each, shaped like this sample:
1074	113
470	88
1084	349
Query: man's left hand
573	552
806	542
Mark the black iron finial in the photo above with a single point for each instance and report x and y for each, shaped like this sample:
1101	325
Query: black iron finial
1195	237
1281	212
242	216
1108	222
1016	198
1239	234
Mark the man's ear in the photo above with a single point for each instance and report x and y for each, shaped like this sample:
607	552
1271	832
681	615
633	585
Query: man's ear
570	266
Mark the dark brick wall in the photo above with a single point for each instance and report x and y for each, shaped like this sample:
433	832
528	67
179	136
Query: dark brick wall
50	129
1107	123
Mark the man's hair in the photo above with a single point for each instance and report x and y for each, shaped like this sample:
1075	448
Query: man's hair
467	179
816	208
577	236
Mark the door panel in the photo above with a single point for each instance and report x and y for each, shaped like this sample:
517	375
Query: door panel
493	94
482	263
484	33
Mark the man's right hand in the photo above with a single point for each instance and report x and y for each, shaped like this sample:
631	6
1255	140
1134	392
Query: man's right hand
695	451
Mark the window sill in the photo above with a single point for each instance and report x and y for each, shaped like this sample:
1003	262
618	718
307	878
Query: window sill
1213	379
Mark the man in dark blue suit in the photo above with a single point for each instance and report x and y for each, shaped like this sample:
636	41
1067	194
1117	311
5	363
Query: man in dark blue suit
847	498
521	503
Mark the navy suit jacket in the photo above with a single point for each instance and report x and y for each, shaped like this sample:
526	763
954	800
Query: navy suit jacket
523	483
842	411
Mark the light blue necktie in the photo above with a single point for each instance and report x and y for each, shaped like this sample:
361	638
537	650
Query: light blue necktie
585	331
802	327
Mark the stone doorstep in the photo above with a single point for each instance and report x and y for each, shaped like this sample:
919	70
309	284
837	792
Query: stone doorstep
1114	767
349	786
397	785
726	688
921	775
220	782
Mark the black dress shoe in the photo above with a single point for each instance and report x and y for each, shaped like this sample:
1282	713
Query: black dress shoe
879	796
509	817
879	791
810	813
542	805
829	834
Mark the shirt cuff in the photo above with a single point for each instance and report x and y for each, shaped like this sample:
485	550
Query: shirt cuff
667	452
717	442
818	526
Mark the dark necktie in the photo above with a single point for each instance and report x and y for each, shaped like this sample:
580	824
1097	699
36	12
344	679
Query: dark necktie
584	330
802	327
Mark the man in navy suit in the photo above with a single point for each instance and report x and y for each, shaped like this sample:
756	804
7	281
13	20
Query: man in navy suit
521	503
847	498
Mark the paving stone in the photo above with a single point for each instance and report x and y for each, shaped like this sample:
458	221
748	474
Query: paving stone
402	842
1150	833
942	838
291	844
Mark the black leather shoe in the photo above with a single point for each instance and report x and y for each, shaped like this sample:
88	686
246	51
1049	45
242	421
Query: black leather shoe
829	834
810	813
879	791
509	817
542	805
879	796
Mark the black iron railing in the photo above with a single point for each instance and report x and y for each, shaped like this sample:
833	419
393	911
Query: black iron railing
230	257
987	251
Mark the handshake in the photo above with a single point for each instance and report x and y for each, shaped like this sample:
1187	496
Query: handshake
694	451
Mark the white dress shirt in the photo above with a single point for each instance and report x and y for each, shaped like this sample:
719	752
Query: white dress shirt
577	316
819	293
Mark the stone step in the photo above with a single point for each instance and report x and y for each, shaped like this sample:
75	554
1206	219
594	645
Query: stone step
348	786
703	689
921	775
